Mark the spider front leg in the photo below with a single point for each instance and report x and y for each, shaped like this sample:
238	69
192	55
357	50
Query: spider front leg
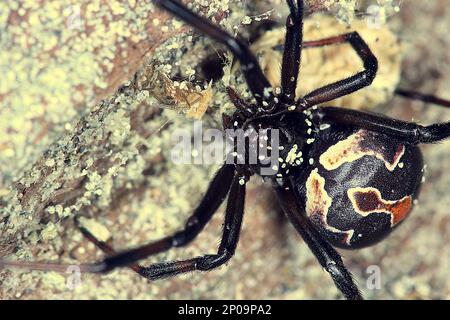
231	230
327	256
370	64
215	195
255	78
409	132
292	52
105	247
230	237
343	87
427	98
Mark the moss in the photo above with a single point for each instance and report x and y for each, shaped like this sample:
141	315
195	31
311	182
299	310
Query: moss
53	72
49	232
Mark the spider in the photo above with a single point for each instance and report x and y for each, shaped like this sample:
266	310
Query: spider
344	178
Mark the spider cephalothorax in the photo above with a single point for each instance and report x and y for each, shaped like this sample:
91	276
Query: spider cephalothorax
342	177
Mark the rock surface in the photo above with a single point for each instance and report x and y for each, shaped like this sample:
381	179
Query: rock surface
110	161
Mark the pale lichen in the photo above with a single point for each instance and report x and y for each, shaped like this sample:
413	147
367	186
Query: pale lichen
56	57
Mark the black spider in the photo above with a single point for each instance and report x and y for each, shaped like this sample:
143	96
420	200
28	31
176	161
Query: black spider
344	178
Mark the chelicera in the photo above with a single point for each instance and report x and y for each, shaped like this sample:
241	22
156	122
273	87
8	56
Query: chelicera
344	178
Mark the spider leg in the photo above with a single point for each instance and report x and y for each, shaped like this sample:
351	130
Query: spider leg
411	94
292	52
327	256
215	195
428	98
105	247
409	132
244	108
255	78
230	237
348	85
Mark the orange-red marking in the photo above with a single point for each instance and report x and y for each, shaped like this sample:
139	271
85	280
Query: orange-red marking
369	200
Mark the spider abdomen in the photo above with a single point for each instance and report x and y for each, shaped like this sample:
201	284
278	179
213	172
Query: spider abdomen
361	186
